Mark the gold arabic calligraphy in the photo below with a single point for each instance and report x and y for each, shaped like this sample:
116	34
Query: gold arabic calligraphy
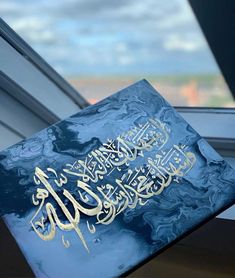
132	188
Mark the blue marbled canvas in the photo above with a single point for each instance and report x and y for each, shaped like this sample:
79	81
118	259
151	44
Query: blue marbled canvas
98	193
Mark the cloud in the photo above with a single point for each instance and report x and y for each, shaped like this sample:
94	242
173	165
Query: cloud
111	36
32	23
186	43
34	30
9	7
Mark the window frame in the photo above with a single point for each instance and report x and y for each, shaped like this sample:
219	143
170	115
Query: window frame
10	36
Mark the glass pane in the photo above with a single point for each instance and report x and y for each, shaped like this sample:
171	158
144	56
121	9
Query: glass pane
101	46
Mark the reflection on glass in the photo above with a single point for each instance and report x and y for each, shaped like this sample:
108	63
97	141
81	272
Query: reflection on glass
103	46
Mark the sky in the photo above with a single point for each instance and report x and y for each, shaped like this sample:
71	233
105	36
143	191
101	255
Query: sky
105	37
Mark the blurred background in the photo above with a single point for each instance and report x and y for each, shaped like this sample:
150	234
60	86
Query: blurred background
101	46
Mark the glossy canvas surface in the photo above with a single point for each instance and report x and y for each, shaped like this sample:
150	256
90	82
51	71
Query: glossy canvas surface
98	193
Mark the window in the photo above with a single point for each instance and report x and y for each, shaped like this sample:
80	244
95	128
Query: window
102	46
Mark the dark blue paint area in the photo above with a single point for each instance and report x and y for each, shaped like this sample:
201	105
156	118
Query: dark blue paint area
134	234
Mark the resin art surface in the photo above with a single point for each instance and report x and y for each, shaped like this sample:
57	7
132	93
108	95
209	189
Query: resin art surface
109	187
